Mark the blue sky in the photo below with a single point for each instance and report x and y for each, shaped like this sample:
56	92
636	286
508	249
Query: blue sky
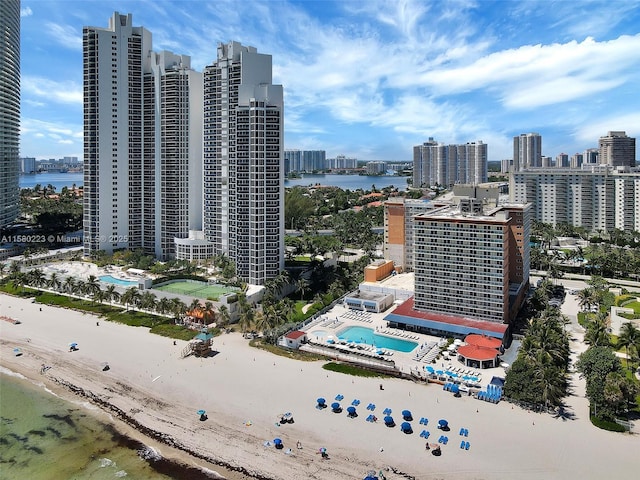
370	78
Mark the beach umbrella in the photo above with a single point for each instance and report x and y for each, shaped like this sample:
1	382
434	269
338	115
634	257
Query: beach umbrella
73	344
322	450
277	441
406	414
388	420
201	412
17	352
406	427
443	423
351	411
439	372
321	401
335	405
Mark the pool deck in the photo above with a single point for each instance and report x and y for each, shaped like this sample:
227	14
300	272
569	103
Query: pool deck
413	362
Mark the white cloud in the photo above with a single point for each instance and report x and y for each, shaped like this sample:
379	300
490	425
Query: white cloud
26	12
66	35
46	89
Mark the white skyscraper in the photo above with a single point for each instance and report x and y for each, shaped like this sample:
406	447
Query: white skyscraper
142	142
9	109
439	164
243	162
527	151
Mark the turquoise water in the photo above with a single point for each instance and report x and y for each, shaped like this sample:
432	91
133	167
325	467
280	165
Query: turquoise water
118	281
43	437
368	336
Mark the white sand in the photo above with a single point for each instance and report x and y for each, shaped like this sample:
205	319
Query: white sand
149	381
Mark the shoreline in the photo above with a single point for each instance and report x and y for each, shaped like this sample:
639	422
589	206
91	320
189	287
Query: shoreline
245	390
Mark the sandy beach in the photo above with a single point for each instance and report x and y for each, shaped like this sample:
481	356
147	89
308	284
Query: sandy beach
245	391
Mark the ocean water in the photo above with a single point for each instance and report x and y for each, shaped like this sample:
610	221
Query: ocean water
43	437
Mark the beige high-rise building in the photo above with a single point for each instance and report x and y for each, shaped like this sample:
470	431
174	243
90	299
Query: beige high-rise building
527	151
617	150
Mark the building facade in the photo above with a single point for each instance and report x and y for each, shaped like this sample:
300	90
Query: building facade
9	110
597	198
304	160
617	150
243	162
527	151
439	164
472	263
398	228
142	142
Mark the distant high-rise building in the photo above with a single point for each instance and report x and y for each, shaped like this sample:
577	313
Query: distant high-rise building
576	160
376	167
597	198
617	150
142	142
243	162
439	164
28	165
342	162
562	160
9	109
292	161
527	151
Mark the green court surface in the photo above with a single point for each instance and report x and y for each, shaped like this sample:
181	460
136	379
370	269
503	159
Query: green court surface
196	289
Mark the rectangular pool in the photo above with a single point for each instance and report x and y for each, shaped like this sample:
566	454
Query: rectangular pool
368	336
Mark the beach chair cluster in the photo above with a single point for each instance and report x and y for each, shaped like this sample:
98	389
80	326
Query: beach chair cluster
425	434
399	333
427	352
371	407
387	411
357	315
492	394
372	418
443	440
332	323
464	432
464	445
355	403
424	421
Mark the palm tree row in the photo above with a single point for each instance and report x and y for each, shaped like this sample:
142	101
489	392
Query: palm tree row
539	374
131	298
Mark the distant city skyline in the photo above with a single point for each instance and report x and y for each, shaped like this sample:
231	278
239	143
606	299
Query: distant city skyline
372	79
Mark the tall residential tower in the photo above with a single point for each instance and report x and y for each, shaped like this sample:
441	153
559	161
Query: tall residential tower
527	151
9	109
243	162
142	142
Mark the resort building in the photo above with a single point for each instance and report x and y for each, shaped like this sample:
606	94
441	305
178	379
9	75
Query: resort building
398	228
617	150
597	198
243	162
471	270
304	160
9	110
142	142
439	164
527	151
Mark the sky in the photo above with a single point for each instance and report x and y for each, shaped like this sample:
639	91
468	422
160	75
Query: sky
370	79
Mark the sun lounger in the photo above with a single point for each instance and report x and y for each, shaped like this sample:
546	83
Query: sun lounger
467	445
462	444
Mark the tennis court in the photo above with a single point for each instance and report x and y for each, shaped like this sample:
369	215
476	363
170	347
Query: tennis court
196	289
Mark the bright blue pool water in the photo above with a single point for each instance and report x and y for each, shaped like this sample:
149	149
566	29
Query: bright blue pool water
368	336
118	281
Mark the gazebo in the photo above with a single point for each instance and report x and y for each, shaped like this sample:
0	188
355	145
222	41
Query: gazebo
480	351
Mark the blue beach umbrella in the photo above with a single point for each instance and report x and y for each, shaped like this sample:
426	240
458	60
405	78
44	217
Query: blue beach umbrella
406	427
201	412
406	414
321	401
388	420
277	441
351	410
443	423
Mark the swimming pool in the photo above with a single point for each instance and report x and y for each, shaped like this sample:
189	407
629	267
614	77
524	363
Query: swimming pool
368	336
118	281
319	334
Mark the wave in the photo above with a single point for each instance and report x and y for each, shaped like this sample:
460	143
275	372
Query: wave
106	462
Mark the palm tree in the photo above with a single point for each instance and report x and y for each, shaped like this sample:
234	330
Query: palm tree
629	338
54	281
164	305
92	285
37	278
209	312
246	313
130	297
148	301
111	294
225	316
98	296
69	285
597	334
3	267
178	308
302	285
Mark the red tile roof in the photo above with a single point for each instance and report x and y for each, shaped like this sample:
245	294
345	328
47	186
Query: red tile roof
295	334
482	341
406	309
474	352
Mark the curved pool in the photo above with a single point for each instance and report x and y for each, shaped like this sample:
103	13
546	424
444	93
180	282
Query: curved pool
118	281
368	336
319	334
